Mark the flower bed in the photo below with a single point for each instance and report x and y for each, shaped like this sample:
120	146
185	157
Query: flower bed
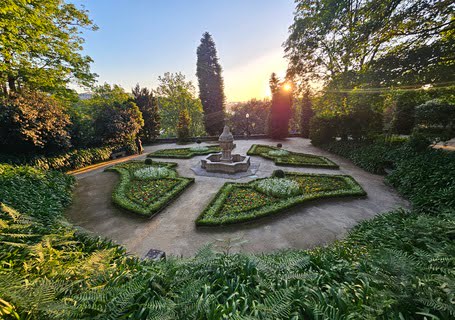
147	188
289	158
184	153
240	202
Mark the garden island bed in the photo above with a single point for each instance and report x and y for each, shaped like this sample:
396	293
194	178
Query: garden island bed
283	157
241	202
184	153
146	188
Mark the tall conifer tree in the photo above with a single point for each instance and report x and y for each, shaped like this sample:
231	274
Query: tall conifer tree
211	86
148	105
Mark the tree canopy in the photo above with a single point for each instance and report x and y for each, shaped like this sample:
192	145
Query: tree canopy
330	38
211	85
40	46
174	93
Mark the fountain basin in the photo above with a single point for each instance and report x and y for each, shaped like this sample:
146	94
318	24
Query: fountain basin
214	163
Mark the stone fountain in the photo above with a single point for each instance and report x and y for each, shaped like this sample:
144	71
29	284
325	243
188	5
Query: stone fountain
225	161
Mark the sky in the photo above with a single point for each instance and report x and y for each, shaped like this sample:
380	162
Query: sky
139	40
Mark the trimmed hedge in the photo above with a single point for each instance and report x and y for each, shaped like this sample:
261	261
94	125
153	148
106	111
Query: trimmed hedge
183	153
72	160
423	175
292	158
215	215
132	194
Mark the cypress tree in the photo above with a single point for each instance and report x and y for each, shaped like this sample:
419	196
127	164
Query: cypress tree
211	86
306	114
280	112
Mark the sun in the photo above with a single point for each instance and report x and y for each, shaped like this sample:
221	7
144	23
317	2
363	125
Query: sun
287	87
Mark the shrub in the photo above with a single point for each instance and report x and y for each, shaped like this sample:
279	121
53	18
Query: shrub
148	161
279	145
153	173
277	187
403	117
71	160
183	126
436	120
322	130
278	173
33	122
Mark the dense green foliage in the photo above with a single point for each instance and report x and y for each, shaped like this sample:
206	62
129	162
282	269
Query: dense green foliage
425	176
33	122
288	158
398	265
174	94
148	106
258	117
183	126
436	120
374	42
71	160
240	202
145	192
306	114
211	85
41	46
184	153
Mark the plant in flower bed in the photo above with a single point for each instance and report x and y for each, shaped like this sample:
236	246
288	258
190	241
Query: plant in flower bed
184	153
147	188
289	158
240	202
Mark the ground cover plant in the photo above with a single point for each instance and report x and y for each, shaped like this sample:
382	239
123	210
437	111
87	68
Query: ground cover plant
184	153
289	158
146	188
396	266
240	202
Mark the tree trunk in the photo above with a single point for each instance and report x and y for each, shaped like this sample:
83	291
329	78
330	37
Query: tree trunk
12	83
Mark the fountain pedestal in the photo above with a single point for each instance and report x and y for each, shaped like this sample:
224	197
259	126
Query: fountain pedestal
225	161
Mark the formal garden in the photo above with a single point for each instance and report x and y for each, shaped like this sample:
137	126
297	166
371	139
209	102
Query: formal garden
332	199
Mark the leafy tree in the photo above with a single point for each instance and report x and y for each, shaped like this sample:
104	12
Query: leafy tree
436	120
258	111
332	37
148	105
211	86
41	45
405	102
84	113
183	126
33	122
306	113
118	123
174	93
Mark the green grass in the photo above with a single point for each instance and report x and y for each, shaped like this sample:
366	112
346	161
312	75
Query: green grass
146	196
183	153
292	158
241	202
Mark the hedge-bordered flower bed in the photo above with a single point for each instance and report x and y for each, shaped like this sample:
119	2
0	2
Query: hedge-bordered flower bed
147	195
240	202
184	153
289	158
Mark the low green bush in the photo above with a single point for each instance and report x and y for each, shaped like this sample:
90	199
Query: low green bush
72	160
287	158
184	153
423	175
136	193
240	202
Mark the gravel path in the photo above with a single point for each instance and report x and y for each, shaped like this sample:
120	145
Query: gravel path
173	230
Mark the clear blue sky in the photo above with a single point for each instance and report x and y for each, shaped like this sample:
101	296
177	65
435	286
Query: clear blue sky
138	40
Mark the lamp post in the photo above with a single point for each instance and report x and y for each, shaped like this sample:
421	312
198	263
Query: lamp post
247	116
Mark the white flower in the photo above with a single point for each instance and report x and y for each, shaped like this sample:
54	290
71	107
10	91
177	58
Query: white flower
278	153
278	187
153	173
199	149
